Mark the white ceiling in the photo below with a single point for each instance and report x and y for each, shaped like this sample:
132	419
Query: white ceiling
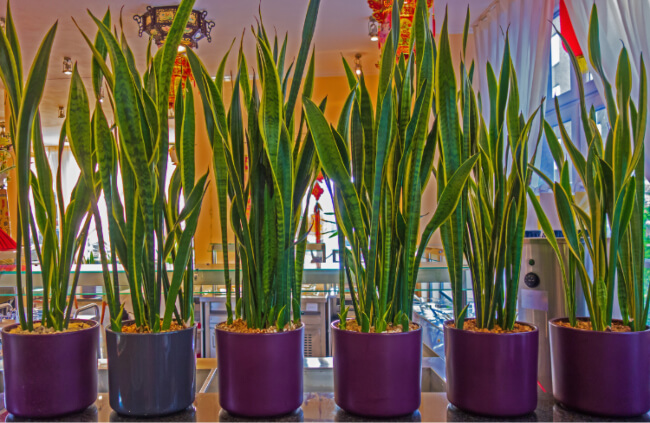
341	30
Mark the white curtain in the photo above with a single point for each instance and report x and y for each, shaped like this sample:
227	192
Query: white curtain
622	23
69	170
529	25
70	173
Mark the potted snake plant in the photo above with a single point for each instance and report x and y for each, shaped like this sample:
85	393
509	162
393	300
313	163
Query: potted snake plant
146	224
601	365
491	360
377	163
50	366
260	345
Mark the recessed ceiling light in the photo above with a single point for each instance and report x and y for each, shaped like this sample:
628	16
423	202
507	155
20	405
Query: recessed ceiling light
357	64
67	65
373	29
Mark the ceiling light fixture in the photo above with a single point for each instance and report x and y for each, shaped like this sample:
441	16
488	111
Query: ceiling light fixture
67	65
61	112
357	64
373	29
101	94
157	21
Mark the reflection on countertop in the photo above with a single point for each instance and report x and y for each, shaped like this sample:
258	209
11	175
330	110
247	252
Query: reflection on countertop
321	407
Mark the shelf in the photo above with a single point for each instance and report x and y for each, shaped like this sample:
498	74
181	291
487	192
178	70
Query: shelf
91	275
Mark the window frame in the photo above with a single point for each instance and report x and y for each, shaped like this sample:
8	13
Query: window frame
569	104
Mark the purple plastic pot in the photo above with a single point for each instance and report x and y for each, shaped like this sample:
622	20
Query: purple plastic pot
151	374
603	373
492	374
377	374
50	375
260	374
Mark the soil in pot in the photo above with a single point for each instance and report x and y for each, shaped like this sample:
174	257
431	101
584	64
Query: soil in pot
352	326
470	325
133	328
240	326
39	329
586	325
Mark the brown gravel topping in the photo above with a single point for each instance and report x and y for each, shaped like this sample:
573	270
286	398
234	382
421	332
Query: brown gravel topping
132	328
42	330
353	326
586	325
240	326
470	325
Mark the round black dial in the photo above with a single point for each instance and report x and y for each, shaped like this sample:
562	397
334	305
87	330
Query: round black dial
531	280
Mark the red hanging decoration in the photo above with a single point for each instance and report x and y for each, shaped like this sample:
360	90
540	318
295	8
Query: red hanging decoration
433	20
317	191
382	12
180	73
566	27
317	223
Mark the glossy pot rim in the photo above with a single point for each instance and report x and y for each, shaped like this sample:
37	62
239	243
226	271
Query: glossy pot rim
595	332
285	333
94	325
334	326
128	322
535	329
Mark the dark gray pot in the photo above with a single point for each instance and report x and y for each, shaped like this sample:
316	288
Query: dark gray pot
151	374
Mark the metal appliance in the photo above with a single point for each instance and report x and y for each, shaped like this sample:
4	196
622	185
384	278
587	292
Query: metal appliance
541	294
315	308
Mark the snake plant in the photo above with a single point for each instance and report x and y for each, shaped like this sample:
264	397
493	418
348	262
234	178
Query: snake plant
488	225
609	232
378	162
266	213
146	224
63	229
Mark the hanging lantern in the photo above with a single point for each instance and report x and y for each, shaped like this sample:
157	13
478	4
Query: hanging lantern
570	35
382	12
157	22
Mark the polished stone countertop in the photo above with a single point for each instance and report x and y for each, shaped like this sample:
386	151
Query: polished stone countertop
321	407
